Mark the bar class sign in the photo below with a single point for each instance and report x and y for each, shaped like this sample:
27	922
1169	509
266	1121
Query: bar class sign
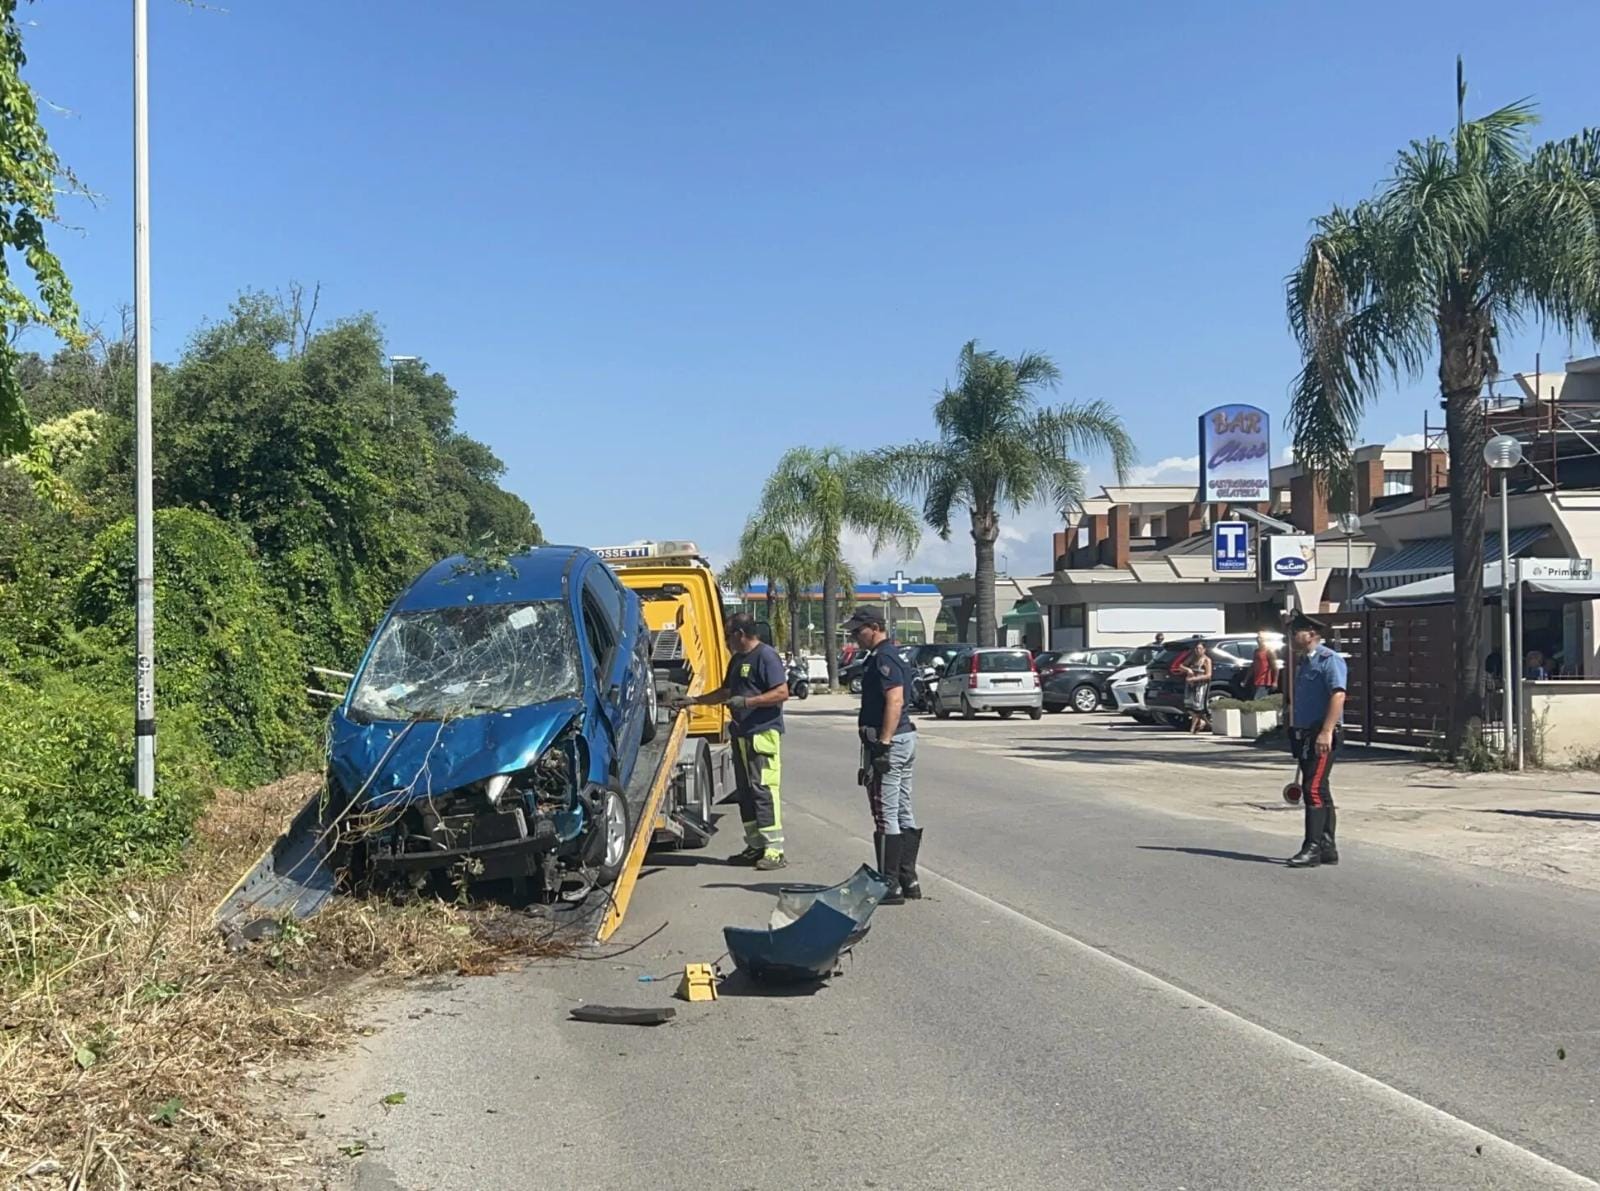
1235	456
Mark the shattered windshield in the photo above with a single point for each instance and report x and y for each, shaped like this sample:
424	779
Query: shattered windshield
447	662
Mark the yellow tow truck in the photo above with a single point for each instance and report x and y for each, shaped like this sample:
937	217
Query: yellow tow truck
689	766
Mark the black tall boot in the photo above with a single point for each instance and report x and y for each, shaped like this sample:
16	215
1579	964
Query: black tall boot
910	886
1310	853
891	849
1330	849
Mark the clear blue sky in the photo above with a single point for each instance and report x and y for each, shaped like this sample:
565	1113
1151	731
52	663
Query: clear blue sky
654	244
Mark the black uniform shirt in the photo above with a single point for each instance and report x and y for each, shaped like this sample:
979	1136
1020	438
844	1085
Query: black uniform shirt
756	673
884	670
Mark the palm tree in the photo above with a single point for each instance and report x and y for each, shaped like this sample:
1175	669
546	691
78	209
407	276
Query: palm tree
997	448
767	552
1466	238
813	496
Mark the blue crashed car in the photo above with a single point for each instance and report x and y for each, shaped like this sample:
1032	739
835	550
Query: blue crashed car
494	725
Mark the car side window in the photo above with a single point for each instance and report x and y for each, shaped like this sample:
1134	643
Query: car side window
599	586
597	626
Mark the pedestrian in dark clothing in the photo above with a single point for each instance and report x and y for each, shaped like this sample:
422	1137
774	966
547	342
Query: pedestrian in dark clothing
889	754
755	689
1315	733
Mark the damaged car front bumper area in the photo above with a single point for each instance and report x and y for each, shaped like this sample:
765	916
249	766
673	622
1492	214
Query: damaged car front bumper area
483	798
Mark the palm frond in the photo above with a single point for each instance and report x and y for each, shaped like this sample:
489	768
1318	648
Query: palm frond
1546	255
1088	427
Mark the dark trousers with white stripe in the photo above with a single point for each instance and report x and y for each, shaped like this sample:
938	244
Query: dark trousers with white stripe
1316	786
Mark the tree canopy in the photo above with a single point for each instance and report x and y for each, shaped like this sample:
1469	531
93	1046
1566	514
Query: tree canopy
1467	238
999	449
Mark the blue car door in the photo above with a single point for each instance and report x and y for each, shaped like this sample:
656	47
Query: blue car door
611	665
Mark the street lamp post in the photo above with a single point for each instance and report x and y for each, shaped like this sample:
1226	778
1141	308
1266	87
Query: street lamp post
144	583
1349	525
393	360
1502	453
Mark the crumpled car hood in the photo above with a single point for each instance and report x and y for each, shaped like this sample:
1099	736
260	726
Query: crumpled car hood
428	758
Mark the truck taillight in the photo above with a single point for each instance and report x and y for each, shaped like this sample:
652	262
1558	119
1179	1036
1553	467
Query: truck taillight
972	675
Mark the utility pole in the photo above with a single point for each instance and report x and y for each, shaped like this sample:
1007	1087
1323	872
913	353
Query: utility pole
144	714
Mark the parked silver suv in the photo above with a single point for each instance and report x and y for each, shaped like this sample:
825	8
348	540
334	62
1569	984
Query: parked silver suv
1002	680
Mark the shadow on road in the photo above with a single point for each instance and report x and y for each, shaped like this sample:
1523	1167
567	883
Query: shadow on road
739	984
1577	816
1215	853
770	888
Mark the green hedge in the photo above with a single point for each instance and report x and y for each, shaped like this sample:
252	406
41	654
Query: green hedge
223	652
67	802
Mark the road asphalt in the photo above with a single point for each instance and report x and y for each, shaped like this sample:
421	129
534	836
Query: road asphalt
1093	995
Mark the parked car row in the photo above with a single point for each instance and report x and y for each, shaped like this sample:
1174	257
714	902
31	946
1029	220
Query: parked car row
1138	682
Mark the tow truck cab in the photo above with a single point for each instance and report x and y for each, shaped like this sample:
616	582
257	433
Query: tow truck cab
682	607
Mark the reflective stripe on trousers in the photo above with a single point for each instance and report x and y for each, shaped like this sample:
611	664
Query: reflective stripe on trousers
758	777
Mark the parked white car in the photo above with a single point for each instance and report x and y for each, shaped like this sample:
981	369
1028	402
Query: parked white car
1127	688
1002	680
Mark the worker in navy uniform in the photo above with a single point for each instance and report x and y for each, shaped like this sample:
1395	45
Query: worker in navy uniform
755	690
1316	731
889	754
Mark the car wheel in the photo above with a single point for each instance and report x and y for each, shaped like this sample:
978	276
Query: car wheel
968	712
651	704
1085	699
700	800
1005	713
940	711
613	827
855	685
1036	713
1142	717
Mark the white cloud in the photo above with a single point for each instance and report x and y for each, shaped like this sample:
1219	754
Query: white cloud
1174	469
1023	548
1407	442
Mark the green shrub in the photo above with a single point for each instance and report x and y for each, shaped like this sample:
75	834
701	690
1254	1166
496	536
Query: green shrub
67	802
222	650
1270	703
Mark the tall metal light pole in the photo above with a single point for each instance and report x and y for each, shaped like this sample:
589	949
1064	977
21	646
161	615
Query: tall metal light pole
144	715
1502	453
1349	525
393	362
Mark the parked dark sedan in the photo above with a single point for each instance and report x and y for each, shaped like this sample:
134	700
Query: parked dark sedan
1081	679
1232	657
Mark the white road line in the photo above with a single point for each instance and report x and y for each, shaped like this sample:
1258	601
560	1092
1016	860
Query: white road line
1521	1155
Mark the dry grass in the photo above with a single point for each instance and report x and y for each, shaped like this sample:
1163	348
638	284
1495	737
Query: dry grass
133	1044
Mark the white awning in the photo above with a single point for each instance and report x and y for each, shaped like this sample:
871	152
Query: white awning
1442	590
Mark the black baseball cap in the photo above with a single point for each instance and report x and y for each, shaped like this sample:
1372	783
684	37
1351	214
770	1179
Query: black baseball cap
863	618
1302	623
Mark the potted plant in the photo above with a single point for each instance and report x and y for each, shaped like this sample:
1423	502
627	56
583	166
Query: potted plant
1227	718
1260	715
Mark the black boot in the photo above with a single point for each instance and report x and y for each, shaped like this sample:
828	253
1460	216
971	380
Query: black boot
1330	849
910	887
891	849
1310	853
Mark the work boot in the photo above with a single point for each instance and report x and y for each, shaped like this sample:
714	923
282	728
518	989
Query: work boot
771	862
1330	850
910	887
748	856
890	852
1310	853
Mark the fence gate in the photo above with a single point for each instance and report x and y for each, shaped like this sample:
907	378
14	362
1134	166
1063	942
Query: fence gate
1402	672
